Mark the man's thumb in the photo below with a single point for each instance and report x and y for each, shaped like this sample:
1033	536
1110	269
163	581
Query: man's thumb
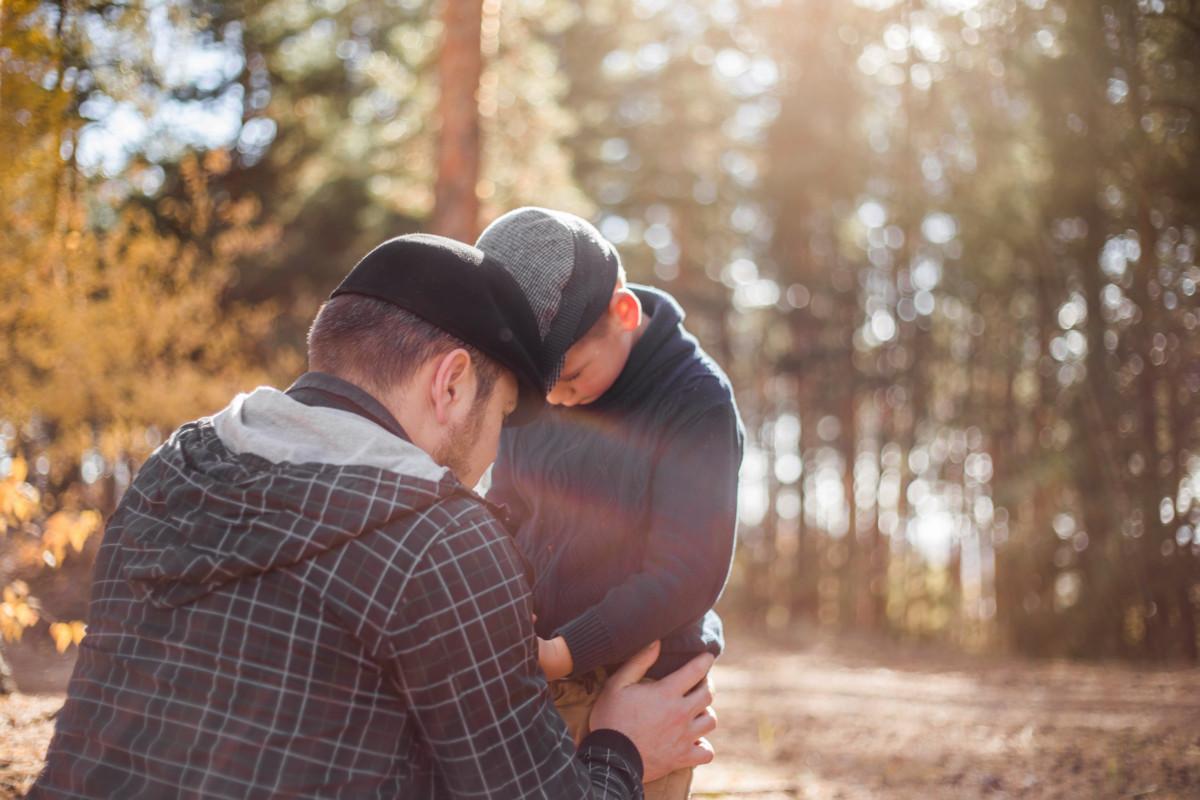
635	668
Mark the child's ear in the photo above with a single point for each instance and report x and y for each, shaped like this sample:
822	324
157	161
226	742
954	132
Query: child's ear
626	309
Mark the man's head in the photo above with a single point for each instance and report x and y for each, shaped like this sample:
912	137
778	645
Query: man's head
449	397
587	317
443	337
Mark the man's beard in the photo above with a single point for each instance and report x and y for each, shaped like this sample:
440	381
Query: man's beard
456	452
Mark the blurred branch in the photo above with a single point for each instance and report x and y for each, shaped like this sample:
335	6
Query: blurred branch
1176	105
1190	25
100	9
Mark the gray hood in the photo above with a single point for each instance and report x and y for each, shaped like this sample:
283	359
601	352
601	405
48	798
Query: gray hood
265	484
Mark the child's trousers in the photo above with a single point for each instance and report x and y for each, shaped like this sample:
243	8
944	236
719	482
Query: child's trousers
574	700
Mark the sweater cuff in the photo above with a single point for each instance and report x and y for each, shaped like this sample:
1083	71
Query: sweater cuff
618	744
588	640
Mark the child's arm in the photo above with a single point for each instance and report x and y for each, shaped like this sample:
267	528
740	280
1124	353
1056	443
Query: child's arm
688	550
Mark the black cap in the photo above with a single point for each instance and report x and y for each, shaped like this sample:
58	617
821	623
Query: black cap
457	288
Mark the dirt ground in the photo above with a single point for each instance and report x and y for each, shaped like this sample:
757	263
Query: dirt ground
825	718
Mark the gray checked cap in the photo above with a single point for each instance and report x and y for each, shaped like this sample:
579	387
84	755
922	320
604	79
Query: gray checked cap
564	266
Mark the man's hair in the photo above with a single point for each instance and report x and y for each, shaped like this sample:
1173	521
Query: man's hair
380	346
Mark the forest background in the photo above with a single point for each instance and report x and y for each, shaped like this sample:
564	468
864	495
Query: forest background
947	250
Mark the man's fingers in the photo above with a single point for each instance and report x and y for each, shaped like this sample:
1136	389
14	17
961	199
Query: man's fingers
635	668
701	753
703	723
700	697
683	679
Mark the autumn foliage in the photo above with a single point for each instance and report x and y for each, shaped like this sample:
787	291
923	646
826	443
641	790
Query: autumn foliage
115	321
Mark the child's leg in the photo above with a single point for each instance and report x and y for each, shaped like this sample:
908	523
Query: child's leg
574	702
675	786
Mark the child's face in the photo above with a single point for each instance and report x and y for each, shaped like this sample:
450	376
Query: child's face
594	363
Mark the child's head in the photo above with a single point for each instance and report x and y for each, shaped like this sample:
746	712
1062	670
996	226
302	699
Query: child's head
587	317
594	363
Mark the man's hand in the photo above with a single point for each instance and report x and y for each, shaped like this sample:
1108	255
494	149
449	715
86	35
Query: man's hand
667	719
554	657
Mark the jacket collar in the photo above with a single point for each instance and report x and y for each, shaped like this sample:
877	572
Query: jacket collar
278	427
322	390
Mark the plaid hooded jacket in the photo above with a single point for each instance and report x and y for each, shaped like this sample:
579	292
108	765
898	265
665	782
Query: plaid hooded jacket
290	601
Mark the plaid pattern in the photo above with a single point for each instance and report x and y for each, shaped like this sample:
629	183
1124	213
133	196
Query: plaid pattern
311	630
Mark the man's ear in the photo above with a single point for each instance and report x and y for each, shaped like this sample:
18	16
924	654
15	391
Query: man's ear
452	390
626	309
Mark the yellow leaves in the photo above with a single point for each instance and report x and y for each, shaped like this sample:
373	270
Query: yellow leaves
86	523
34	117
19	503
18	500
66	634
195	181
18	470
139	314
16	611
66	528
117	323
217	162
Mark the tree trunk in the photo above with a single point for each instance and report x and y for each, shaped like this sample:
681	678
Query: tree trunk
460	64
806	572
853	571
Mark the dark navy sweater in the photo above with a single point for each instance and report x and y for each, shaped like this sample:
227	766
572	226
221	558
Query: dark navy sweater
626	508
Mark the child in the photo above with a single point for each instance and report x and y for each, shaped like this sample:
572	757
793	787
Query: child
623	495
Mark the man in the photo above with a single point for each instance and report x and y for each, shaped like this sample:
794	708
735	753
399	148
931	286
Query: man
301	597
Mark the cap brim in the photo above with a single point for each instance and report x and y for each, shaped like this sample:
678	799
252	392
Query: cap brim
462	291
